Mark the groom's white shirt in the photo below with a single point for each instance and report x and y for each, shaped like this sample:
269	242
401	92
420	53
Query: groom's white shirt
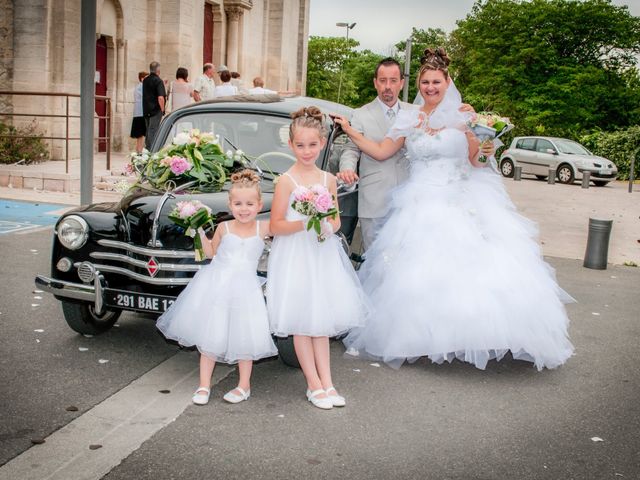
377	178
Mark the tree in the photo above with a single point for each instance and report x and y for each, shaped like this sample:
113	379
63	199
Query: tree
555	66
326	55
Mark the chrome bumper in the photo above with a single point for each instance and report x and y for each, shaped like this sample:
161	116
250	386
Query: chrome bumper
92	293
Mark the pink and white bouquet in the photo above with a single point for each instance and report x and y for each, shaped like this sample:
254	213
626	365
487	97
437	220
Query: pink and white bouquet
193	215
317	203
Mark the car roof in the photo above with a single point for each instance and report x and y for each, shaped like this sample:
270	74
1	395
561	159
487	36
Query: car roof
268	103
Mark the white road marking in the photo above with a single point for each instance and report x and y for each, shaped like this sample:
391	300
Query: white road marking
121	423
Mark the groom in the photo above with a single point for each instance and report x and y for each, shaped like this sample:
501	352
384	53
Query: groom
377	178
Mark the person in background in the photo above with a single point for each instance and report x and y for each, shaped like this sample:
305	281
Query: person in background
236	81
258	87
226	89
153	102
181	91
205	86
138	126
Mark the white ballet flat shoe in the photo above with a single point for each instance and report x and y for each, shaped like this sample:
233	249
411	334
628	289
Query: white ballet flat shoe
201	398
336	400
232	397
323	403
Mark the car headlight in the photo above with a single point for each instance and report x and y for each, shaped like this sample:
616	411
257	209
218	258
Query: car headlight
73	232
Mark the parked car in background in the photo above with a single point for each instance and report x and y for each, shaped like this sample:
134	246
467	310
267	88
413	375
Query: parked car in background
536	155
130	256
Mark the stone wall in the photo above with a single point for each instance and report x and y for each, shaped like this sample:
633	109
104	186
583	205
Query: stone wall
40	50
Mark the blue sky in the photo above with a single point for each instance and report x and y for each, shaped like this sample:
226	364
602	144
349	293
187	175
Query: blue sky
382	23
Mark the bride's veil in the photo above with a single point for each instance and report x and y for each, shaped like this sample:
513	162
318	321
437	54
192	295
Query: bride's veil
447	114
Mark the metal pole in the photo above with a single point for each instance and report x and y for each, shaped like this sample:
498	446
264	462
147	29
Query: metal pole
341	68
632	170
66	140
586	178
407	70
87	92
517	173
597	244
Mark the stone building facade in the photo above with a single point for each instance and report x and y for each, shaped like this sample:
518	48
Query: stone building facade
40	50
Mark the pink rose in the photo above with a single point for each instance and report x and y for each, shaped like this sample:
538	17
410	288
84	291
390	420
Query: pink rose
179	165
319	189
186	209
323	202
302	194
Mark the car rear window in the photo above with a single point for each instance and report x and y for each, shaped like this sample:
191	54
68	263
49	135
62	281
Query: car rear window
526	143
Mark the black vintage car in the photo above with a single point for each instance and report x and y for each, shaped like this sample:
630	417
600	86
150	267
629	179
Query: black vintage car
128	255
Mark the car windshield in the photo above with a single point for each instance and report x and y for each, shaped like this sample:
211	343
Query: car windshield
258	135
572	148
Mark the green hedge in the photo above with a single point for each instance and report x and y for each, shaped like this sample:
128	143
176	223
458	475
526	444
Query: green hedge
31	149
618	146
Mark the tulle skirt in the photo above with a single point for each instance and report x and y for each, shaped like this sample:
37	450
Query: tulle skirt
222	312
456	272
312	288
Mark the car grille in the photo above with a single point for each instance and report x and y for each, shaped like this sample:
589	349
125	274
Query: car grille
148	265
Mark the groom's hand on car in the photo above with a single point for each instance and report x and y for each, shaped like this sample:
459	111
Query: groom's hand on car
347	176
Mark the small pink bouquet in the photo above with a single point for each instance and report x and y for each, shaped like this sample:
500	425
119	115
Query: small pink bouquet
192	216
317	203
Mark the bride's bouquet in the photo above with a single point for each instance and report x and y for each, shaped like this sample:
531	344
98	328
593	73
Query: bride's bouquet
192	216
317	203
488	126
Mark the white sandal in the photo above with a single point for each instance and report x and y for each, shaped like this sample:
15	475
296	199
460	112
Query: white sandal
201	398
232	397
323	403
337	400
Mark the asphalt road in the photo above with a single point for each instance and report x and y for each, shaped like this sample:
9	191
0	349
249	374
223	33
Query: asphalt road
423	421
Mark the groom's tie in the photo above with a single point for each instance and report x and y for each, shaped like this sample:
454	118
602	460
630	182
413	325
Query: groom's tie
391	115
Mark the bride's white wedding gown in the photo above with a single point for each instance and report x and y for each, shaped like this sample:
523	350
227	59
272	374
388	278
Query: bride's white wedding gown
455	271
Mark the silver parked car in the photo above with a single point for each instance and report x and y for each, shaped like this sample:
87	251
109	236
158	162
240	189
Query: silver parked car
536	155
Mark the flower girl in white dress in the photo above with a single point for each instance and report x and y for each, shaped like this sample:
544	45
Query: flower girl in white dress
313	292
222	310
455	271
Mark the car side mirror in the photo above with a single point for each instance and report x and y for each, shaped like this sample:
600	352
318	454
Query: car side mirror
552	151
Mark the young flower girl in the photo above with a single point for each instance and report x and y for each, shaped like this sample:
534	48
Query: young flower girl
313	292
222	310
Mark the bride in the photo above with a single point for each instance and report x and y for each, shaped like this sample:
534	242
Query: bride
455	271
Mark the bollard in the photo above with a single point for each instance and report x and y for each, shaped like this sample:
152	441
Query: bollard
517	173
552	176
586	178
597	244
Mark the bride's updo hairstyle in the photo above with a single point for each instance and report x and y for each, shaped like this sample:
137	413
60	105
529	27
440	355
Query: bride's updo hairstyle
433	59
245	179
309	117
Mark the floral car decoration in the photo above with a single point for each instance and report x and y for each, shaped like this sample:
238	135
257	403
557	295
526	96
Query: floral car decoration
192	156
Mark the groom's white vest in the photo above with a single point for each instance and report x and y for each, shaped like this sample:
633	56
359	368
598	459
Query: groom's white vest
376	178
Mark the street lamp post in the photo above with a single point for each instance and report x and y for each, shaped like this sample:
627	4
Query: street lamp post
348	26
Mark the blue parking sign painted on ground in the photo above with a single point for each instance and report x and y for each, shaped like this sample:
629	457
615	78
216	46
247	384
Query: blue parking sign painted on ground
23	216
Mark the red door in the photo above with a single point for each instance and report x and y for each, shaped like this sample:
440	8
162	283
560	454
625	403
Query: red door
207	42
101	89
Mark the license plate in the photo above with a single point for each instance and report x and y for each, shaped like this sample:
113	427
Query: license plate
605	171
141	302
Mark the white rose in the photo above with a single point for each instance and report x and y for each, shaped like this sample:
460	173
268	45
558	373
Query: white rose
181	139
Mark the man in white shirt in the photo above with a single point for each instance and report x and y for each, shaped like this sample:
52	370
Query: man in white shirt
258	87
226	89
205	86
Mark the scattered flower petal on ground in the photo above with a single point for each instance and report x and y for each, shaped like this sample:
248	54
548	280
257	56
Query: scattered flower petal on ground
39	330
374	364
83	349
596	439
103	360
595	313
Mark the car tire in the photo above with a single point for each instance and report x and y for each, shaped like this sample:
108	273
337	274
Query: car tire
565	174
541	177
599	183
506	168
81	318
287	352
